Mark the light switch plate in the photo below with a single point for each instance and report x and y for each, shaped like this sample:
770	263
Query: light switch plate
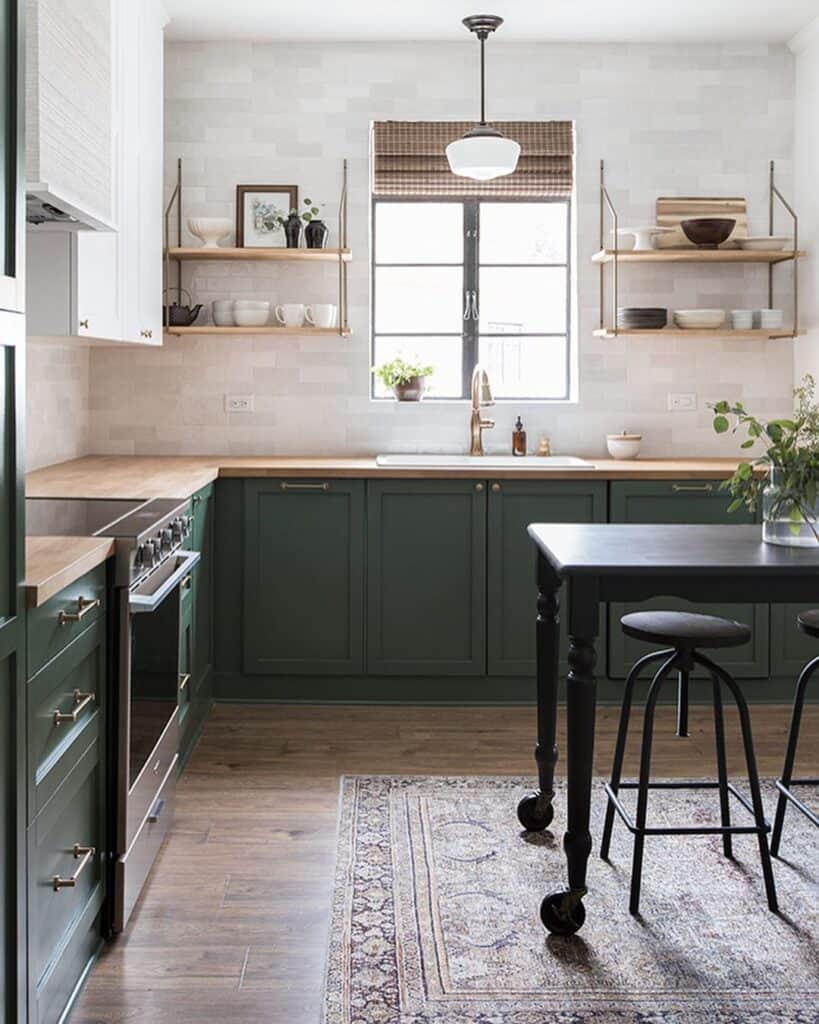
682	401
239	403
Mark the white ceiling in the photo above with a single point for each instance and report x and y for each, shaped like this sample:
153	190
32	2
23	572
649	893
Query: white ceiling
558	20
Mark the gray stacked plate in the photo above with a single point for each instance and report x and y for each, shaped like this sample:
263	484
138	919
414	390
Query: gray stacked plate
641	318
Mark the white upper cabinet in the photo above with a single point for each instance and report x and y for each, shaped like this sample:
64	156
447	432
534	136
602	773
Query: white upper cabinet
70	108
141	173
105	285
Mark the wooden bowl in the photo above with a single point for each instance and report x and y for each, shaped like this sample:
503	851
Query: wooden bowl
708	232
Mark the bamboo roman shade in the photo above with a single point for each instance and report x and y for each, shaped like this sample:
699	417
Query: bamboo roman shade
409	159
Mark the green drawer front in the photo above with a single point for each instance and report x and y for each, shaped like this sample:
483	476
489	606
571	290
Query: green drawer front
73	815
73	682
48	634
694	502
512	588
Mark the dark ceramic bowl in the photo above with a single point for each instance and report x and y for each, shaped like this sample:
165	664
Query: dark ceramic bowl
708	232
411	390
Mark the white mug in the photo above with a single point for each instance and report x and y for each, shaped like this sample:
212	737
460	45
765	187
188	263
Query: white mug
291	314
321	314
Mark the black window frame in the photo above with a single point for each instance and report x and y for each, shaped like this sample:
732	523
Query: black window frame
470	335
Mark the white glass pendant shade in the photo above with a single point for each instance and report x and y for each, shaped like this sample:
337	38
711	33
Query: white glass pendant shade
483	157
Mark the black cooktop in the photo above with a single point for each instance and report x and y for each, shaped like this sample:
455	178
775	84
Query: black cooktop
105	517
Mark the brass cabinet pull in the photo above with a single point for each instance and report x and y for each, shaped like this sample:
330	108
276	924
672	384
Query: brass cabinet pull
84	323
81	702
304	487
186	583
196	499
87	854
145	333
692	488
496	488
84	606
478	487
184	679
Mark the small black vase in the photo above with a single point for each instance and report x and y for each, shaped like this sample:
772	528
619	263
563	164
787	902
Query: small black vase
315	234
292	231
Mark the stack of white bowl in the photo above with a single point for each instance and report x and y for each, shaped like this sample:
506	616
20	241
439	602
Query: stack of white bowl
699	319
240	312
768	319
742	319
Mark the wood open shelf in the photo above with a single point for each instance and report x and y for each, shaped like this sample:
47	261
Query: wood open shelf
696	256
345	332
718	332
275	255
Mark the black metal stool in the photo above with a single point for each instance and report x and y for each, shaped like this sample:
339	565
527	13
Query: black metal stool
682	634
808	622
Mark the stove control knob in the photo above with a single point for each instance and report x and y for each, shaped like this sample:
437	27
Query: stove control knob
139	557
176	530
166	540
148	558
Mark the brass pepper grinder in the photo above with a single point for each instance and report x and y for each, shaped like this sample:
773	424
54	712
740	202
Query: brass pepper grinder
519	438
545	447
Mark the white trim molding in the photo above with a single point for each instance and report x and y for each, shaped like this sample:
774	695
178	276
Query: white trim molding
805	37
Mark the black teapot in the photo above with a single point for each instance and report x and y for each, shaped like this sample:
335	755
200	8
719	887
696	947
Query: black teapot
177	315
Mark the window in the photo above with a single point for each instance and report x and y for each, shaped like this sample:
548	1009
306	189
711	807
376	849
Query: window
466	272
459	282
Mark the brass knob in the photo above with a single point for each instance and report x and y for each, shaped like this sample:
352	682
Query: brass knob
496	488
84	323
478	487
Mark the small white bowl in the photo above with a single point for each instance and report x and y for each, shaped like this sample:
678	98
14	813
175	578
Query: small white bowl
222	305
623	446
211	230
251	304
223	318
763	243
250	317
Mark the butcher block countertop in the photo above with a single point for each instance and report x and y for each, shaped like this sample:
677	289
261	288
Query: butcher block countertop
178	476
53	563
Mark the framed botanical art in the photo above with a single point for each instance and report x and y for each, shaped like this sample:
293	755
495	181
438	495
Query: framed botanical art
261	210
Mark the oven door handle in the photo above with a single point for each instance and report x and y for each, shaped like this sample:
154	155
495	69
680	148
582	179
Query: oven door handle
150	602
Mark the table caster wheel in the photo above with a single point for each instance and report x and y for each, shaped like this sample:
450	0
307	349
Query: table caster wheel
534	813
562	912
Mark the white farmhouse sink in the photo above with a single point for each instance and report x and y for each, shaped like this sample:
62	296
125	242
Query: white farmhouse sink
544	462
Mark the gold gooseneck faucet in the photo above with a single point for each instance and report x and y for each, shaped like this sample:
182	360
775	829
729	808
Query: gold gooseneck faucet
481	395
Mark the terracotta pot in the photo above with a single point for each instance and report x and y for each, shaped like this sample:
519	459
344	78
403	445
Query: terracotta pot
411	390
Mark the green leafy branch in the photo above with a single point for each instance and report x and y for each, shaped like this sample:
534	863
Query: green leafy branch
399	371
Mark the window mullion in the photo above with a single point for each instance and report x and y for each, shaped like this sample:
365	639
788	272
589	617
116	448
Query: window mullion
470	336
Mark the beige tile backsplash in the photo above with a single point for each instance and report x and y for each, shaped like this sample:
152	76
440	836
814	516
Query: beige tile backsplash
668	120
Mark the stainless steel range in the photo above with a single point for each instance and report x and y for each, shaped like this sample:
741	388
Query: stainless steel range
150	574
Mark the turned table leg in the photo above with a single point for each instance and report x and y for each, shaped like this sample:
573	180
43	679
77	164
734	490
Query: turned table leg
562	912
535	811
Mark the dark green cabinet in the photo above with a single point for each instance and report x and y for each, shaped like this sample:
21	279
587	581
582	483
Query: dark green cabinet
790	648
512	591
426	577
12	524
683	501
303	577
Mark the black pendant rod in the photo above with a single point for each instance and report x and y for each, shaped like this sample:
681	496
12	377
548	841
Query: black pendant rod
483	79
482	25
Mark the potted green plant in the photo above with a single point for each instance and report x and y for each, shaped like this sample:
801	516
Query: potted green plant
784	479
406	379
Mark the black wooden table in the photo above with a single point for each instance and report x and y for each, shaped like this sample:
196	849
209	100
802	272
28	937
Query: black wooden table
610	562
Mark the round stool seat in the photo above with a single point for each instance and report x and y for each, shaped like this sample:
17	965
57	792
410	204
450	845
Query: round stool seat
686	630
808	622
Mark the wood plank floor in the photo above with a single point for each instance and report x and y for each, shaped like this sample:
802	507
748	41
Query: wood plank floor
233	923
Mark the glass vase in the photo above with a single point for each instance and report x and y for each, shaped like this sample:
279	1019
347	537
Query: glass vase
787	520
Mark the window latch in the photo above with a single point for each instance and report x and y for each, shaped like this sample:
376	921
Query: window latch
468	300
475	314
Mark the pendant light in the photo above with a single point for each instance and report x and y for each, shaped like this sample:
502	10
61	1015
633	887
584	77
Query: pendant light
483	153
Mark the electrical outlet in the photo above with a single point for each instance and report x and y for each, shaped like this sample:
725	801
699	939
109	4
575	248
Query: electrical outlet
238	403
682	401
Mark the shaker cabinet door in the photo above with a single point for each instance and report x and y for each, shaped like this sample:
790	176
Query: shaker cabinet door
426	577
303	568
684	501
512	589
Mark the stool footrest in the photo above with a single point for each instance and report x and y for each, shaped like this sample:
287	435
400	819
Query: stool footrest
682	830
794	799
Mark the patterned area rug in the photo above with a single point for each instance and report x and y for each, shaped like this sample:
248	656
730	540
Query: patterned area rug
435	916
